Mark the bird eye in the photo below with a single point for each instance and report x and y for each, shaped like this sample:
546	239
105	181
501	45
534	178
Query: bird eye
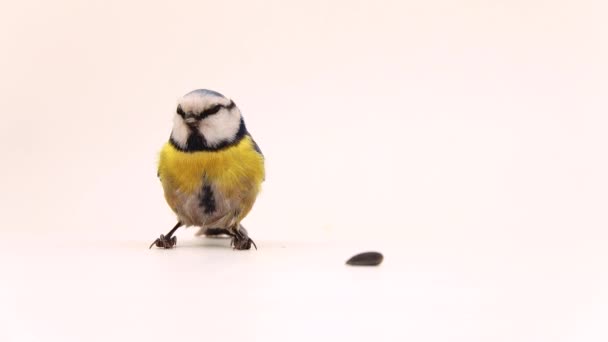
211	111
180	111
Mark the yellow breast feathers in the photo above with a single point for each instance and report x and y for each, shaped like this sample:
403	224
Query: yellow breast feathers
234	169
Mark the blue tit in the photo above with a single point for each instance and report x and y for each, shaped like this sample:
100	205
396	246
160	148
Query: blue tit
211	169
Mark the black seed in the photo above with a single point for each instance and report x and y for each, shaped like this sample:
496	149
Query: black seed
366	259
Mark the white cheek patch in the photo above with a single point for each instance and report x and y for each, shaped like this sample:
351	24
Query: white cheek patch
220	127
180	131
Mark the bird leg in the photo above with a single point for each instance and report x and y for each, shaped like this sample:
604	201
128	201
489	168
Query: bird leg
167	241
240	239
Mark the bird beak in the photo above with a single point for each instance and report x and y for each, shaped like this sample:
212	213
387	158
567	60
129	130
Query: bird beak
190	120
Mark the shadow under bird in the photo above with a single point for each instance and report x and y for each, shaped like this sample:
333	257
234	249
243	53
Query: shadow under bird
211	169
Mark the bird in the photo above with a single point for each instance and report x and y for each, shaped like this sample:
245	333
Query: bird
211	169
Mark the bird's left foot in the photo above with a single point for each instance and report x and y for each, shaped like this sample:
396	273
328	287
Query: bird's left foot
241	241
164	242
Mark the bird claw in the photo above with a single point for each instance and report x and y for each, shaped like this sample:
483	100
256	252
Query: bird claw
164	242
240	242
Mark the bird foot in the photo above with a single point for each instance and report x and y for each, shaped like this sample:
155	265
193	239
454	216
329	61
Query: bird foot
241	241
164	242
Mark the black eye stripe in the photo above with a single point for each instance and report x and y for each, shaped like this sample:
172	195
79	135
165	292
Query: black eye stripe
211	110
207	112
180	111
215	109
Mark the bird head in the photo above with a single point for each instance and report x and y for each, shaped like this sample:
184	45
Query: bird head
205	117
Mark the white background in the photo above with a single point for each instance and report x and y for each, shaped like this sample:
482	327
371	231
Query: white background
466	140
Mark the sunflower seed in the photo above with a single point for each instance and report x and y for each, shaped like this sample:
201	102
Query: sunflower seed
366	259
